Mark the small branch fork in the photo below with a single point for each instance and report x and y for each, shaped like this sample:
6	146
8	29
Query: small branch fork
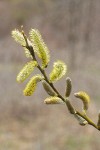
70	107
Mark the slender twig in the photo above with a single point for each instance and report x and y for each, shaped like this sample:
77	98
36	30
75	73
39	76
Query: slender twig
87	119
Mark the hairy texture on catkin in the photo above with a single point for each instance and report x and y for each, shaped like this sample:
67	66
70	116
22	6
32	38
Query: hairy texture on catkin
48	88
59	70
53	100
26	71
19	38
31	85
39	47
85	99
68	87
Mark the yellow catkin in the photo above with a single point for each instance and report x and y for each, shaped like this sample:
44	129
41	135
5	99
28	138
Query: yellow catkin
26	71
59	70
31	85
27	53
84	97
39	47
68	87
48	89
53	100
19	38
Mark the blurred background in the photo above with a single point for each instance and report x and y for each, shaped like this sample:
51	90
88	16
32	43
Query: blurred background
71	29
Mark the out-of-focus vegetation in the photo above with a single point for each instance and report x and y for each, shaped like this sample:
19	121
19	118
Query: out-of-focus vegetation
71	30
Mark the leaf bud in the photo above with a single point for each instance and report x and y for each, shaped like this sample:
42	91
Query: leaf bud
48	88
68	87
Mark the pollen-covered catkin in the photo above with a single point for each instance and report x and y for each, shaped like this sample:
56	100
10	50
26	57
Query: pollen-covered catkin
26	71
20	39
85	99
18	36
59	70
53	100
31	85
39	47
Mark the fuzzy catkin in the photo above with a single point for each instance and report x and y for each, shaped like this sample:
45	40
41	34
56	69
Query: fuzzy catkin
59	70
39	47
53	100
19	38
31	85
26	71
84	97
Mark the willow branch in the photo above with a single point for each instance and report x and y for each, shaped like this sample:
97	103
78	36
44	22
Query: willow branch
70	107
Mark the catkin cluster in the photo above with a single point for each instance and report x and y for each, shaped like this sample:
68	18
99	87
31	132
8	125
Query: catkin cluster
34	46
37	45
